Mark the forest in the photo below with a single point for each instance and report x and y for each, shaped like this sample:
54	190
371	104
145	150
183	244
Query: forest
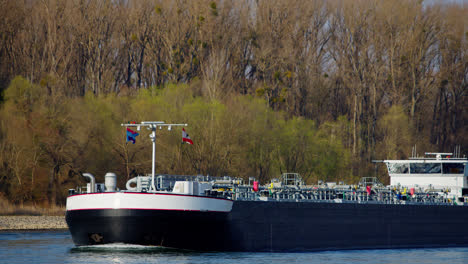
317	87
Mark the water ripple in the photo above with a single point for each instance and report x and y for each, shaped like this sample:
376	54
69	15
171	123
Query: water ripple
57	247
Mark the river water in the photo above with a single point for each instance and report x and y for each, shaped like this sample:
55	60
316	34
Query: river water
57	247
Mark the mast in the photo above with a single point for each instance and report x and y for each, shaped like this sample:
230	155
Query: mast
153	126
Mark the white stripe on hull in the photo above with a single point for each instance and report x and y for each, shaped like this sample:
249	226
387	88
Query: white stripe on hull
147	201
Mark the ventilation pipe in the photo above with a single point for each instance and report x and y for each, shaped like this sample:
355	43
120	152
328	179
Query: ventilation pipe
92	182
129	182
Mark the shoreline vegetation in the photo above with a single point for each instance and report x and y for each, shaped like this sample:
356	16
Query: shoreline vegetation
9	209
321	88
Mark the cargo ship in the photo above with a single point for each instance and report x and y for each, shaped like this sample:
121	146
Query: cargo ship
425	205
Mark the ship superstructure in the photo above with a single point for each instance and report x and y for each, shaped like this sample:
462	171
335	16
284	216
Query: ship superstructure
435	172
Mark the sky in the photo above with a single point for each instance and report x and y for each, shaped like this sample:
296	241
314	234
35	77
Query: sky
462	2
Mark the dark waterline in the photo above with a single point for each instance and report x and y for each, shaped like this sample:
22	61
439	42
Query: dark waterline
57	247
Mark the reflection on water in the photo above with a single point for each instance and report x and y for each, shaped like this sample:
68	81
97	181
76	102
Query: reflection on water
32	246
127	248
57	247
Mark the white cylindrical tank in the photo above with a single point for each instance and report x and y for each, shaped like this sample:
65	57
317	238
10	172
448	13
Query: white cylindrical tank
110	182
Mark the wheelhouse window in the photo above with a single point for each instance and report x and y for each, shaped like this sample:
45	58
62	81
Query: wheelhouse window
398	167
453	168
425	167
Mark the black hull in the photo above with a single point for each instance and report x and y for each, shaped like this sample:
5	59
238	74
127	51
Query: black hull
174	229
277	226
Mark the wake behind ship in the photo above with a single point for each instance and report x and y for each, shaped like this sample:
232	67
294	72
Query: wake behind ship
425	205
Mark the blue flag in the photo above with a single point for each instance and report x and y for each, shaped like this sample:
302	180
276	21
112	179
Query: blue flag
131	135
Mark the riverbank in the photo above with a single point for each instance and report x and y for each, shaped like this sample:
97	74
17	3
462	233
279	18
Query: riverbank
32	222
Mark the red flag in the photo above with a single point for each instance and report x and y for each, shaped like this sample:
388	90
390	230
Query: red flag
186	138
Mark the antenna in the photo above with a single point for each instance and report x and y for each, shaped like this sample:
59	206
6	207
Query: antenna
153	126
457	151
414	154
